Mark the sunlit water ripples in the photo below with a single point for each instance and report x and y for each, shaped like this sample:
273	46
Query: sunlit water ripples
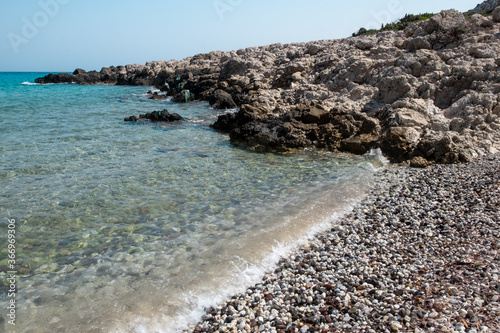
135	227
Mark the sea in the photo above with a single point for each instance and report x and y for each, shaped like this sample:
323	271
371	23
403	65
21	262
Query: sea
140	227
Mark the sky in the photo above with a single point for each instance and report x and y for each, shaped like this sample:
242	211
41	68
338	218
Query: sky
61	35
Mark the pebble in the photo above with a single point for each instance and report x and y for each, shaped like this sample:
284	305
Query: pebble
419	254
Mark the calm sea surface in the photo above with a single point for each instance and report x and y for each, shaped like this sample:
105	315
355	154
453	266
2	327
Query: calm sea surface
136	227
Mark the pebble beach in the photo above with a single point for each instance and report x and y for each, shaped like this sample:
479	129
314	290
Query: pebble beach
419	254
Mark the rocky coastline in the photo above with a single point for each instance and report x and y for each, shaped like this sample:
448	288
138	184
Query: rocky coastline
427	94
419	254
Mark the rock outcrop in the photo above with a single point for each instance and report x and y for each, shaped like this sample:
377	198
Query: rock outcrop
428	94
487	6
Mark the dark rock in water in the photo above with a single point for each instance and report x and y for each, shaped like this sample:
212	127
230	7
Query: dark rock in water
230	121
163	115
59	78
226	122
222	100
86	262
157	97
40	300
131	118
184	96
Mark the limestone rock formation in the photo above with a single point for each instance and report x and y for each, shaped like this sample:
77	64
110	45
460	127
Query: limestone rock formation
427	94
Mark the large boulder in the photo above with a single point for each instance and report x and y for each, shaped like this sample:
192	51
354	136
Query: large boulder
440	31
221	100
496	14
448	21
479	21
230	121
399	143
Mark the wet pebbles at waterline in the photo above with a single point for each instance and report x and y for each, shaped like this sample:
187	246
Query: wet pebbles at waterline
137	227
420	254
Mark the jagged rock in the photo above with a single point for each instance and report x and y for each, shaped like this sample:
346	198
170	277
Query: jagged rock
428	92
447	21
496	13
400	142
230	121
222	100
79	71
479	21
486	6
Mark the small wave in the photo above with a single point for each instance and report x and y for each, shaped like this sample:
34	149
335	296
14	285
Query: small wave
381	162
26	83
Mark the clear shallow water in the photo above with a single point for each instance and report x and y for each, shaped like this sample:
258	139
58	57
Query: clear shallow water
135	227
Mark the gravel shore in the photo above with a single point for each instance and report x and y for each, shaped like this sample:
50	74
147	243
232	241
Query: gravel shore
419	254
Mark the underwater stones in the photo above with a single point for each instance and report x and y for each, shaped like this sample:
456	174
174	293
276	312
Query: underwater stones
48	268
157	116
415	255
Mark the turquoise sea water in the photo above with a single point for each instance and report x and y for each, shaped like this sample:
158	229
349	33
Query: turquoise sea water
136	227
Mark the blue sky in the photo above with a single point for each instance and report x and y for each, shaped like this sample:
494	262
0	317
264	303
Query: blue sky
61	35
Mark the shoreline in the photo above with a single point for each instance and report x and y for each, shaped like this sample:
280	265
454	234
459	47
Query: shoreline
423	95
419	254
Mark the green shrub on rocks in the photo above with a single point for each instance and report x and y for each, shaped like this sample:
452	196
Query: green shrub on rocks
401	24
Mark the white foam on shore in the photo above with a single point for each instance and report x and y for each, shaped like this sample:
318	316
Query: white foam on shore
26	83
241	279
244	273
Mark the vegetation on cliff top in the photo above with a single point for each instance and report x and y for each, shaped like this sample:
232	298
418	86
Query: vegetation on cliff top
401	24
